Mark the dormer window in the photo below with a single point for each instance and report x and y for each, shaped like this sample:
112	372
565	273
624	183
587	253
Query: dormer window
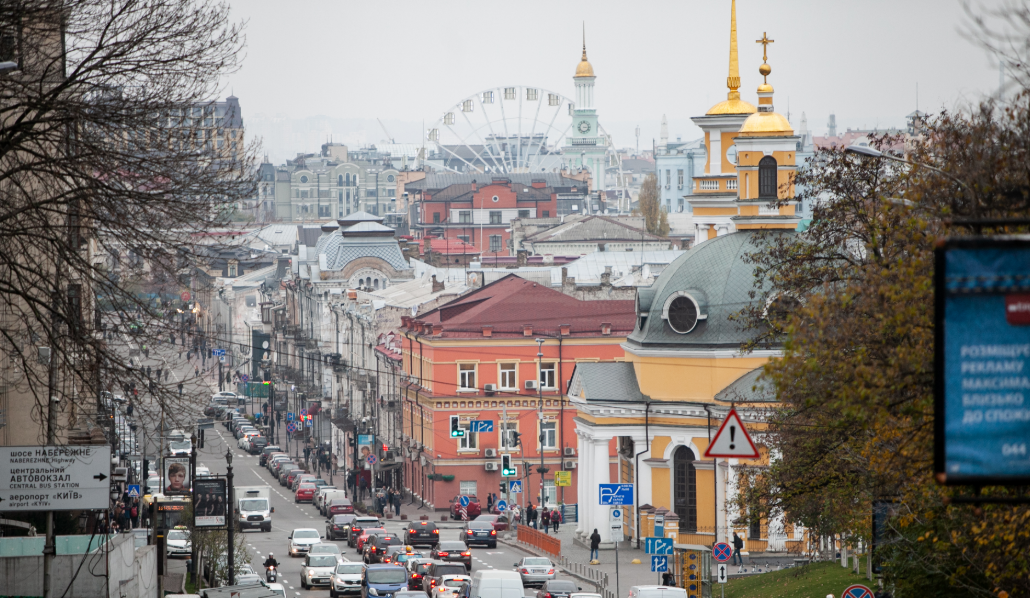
682	312
234	267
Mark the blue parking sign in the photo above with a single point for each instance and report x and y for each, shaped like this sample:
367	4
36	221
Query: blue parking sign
289	416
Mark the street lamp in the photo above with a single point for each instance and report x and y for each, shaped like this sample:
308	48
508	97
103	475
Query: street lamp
870	152
229	557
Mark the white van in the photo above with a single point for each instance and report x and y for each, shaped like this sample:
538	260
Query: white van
495	584
657	592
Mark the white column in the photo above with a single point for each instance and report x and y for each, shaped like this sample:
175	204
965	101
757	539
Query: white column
582	475
586	468
643	477
602	469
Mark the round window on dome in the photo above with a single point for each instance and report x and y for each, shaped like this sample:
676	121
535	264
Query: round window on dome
683	314
495	198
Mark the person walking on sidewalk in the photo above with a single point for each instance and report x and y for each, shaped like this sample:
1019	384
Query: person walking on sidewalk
595	545
738	544
490	503
555	519
545	519
397	503
531	514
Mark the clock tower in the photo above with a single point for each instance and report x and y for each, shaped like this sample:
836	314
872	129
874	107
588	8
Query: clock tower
586	146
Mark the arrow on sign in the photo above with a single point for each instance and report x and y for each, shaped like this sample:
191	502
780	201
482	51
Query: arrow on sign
732	440
722	573
100	477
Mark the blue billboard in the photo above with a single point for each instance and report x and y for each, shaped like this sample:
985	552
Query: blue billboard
982	362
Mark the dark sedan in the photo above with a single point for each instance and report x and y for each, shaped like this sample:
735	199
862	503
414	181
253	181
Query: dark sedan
557	588
453	551
479	532
422	533
416	569
338	526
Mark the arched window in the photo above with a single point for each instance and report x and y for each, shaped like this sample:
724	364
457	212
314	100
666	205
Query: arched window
375	284
339	180
684	499
767	177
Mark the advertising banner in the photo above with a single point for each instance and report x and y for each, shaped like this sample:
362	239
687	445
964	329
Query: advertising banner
177	476
365	450
982	361
210	503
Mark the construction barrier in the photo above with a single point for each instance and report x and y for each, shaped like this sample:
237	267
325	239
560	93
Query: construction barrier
545	542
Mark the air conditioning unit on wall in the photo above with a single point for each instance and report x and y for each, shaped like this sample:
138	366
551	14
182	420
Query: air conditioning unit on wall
570	452
491	453
571	464
491	466
530	384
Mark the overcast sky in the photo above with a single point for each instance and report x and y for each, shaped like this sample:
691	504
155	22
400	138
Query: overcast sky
408	61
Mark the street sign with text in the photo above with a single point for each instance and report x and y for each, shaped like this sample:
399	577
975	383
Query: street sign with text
54	478
563	478
616	494
615	520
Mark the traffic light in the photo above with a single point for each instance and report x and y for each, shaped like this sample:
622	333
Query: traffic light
506	468
503	487
456	432
350	441
515	438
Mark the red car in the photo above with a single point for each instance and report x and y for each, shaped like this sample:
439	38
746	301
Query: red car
473	509
305	493
365	533
500	521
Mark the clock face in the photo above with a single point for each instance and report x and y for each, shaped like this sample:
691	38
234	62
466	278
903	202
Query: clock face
584	126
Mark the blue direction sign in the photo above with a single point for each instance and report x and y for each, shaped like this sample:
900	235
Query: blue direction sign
722	552
616	494
218	352
659	564
515	486
481	425
658	545
133	490
502	506
289	416
465	501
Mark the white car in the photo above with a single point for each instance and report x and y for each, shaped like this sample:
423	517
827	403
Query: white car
278	588
203	471
301	540
328	548
229	397
317	570
346	579
180	448
244	441
177	543
449	585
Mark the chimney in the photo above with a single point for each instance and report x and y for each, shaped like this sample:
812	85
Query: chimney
429	329
488	331
405	321
606	328
437	286
521	257
527	330
475	187
568	283
606	277
566	329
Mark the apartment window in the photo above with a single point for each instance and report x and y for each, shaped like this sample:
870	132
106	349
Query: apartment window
507	437
339	180
495	243
436	217
467	376
547	375
463	238
547	214
550	497
548	434
668	176
467	488
470	440
495	217
523	213
508	376
234	267
75	308
465	217
509	93
679	177
767	177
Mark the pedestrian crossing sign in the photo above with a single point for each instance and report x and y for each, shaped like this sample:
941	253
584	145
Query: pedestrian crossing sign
515	486
133	491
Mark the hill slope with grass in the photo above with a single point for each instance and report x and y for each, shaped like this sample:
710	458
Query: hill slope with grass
811	581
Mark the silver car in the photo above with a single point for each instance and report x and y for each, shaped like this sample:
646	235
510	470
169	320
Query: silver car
535	571
347	579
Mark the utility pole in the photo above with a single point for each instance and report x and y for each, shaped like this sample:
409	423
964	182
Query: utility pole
46	355
540	400
229	509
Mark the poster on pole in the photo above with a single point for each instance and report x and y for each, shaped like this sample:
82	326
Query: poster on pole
981	359
365	447
210	503
177	476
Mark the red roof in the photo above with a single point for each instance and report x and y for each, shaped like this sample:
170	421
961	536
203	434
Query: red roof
448	246
511	304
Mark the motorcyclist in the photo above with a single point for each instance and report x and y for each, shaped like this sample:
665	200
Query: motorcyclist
270	561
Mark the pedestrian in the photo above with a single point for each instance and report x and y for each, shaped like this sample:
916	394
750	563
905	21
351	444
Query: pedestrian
158	374
532	513
490	503
555	519
129	409
148	371
595	545
146	352
545	519
196	372
668	579
738	544
134	512
396	502
189	356
166	375
180	389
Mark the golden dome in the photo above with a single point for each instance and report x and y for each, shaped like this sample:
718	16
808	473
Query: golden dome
735	106
584	69
766	124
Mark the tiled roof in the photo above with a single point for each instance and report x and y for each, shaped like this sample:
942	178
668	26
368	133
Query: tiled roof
340	251
449	247
591	228
511	303
606	383
748	389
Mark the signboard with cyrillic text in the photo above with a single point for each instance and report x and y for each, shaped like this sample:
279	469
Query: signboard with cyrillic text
54	478
982	361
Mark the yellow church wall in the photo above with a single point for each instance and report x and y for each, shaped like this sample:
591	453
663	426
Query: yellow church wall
784	225
712	233
659	444
705	499
661	488
708	152
715	212
748	210
727	141
691	378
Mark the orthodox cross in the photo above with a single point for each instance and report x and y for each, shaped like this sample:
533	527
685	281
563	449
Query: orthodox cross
765	41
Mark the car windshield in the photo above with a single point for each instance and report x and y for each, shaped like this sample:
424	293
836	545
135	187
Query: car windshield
179	446
373	530
326	549
176	535
389	574
343	518
306	534
454	581
442	570
253	505
390	541
486	518
561	586
349	569
326	560
480	525
452	546
536	562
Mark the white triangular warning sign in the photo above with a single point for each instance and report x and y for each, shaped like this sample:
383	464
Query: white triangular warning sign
732	440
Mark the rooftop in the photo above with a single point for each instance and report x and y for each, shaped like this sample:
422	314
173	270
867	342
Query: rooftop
592	228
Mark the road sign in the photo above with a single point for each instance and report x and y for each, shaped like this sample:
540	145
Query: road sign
659	525
615	519
221	359
732	440
371	459
563	478
289	416
217	352
244	378
654	545
291	427
515	486
205	423
307	423
502	506
722	552
857	591
659	564
616	494
722	573
481	425
185	296
54	478
303	412
133	491
465	501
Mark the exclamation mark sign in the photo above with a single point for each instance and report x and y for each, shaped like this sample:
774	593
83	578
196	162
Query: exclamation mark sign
733	437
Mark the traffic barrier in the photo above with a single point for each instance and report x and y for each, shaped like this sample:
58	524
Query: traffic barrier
545	542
